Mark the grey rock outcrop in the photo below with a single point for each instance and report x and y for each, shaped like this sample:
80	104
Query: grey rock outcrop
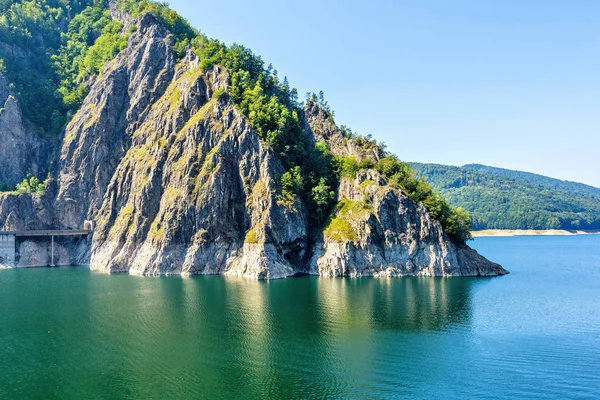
196	192
379	231
23	212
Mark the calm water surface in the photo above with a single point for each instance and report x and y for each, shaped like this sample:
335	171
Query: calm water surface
73	334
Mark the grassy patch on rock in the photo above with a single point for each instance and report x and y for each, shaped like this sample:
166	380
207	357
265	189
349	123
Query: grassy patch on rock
340	227
251	236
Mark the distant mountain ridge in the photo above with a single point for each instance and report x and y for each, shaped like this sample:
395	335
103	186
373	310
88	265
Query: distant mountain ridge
540	180
502	199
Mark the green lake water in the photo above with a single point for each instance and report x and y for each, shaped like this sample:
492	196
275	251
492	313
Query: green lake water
68	333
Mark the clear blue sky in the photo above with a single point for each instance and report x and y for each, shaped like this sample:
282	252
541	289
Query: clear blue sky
507	83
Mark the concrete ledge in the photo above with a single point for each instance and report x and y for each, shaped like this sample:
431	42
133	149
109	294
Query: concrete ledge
45	233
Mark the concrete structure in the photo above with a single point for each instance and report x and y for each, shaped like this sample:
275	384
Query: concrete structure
7	250
12	242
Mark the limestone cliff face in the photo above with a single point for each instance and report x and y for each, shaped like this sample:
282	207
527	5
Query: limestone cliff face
20	212
178	182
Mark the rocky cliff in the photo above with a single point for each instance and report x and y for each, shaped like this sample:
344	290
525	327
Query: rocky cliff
178	182
379	231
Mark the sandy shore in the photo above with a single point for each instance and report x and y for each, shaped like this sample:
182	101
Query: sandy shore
523	232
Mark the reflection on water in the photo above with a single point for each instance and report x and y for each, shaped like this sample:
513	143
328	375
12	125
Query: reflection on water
397	304
148	337
70	333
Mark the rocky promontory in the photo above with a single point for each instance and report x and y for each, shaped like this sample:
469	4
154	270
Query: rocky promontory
178	181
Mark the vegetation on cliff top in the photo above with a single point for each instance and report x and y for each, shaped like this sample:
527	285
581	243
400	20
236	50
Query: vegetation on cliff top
31	184
92	38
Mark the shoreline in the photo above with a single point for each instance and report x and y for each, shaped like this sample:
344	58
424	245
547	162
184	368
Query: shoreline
530	232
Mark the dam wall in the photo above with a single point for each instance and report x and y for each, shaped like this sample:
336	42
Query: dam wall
44	248
42	252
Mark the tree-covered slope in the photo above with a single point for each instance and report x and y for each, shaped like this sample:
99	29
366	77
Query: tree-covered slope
539	180
495	201
49	49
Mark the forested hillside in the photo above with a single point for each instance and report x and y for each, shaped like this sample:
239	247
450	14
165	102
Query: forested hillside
539	180
495	201
48	48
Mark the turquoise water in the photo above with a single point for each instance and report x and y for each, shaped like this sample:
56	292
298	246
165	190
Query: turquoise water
72	334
